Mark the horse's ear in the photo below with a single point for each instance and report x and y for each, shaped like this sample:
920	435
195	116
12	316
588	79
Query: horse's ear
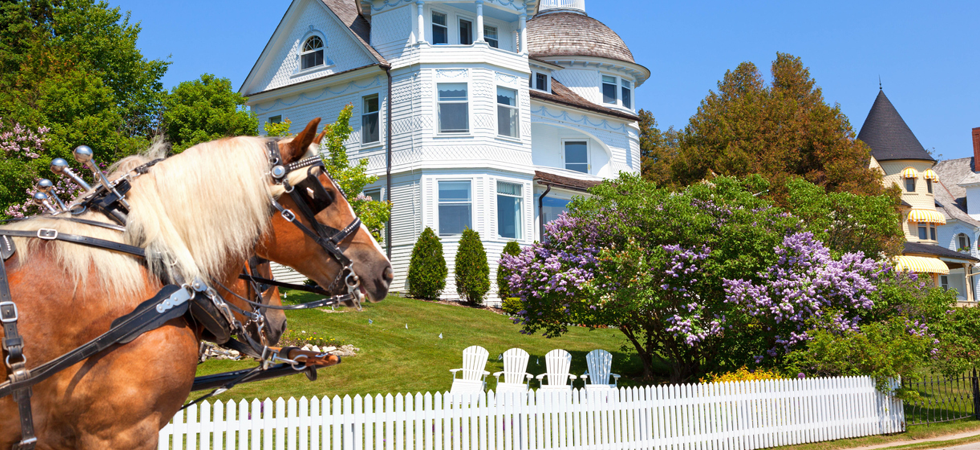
319	137
295	148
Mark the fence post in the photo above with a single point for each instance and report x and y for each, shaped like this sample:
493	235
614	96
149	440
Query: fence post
976	395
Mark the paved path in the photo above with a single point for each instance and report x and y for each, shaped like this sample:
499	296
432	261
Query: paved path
949	437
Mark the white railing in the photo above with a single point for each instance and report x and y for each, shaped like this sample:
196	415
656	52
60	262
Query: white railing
562	4
743	415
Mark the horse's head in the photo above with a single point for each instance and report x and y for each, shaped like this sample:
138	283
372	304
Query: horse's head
289	244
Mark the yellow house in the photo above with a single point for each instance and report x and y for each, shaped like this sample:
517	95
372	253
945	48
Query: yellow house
905	163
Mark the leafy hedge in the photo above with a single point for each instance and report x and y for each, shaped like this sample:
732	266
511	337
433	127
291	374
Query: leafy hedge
503	286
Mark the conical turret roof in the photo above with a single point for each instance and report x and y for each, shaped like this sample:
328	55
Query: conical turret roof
888	135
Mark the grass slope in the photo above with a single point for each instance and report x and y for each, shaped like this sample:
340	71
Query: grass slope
395	359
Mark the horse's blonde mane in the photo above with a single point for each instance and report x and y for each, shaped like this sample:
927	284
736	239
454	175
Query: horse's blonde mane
193	213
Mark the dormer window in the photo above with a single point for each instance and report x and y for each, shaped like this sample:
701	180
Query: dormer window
539	81
312	54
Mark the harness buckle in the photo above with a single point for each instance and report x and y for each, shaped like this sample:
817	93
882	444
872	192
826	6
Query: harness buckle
8	312
288	215
47	234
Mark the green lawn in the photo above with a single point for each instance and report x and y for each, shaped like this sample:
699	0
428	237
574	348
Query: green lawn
395	359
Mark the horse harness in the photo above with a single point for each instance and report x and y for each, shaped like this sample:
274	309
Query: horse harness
195	300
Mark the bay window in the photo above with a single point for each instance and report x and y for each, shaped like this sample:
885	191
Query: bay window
510	207
507	112
453	108
455	207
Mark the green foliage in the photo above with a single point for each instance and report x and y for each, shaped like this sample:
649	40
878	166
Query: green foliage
280	129
958	331
204	110
352	177
781	130
503	287
511	305
73	66
847	222
658	150
883	350
471	268
427	270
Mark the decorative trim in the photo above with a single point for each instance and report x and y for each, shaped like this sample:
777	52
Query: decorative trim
302	96
505	78
582	119
518	5
451	73
390	4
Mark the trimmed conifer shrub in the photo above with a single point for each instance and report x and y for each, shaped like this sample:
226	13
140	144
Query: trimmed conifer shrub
472	270
503	288
427	271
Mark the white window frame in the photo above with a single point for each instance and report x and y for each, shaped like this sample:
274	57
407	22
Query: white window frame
274	119
533	83
433	25
364	113
469	112
523	213
516	107
944	282
439	203
380	194
619	91
959	241
486	36
588	154
459	34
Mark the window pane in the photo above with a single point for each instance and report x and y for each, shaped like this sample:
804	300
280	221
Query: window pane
369	128
439	18
490	35
452	91
609	93
493	42
454	191
509	212
313	43
507	121
465	32
577	156
541	81
454	218
312	59
275	119
440	32
506	96
453	118
929	186
551	208
910	184
509	189
373	194
932	232
627	98
371	104
923	232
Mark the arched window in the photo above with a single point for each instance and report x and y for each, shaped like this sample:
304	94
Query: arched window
962	242
312	54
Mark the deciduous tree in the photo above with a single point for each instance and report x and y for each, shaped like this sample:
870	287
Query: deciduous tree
204	110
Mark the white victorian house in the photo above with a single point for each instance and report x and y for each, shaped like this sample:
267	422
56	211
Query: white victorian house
487	114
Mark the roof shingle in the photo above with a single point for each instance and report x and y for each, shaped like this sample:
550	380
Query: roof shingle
564	33
888	135
561	94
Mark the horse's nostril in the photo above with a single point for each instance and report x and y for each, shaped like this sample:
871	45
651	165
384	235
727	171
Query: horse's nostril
388	274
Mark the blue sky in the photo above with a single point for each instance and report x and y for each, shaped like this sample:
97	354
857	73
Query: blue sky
926	53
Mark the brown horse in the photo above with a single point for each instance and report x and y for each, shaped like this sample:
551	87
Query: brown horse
199	215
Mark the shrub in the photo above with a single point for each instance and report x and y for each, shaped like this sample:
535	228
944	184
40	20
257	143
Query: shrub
503	285
512	305
427	270
472	270
742	374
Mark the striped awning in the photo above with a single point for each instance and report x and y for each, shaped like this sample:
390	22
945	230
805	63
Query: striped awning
909	172
930	174
926	216
919	264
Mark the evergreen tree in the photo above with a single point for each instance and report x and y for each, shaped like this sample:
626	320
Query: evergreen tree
503	287
427	270
471	269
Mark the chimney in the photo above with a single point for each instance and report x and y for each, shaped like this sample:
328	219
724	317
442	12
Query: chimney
976	149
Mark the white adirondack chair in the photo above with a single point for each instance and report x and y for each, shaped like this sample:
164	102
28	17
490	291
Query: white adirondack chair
473	378
599	363
515	372
557	363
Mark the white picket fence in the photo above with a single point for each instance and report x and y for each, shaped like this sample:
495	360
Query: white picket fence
742	415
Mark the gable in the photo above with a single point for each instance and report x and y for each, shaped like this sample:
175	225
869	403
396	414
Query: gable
279	64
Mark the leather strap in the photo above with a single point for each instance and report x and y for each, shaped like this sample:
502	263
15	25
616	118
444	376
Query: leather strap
13	345
52	234
7	248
